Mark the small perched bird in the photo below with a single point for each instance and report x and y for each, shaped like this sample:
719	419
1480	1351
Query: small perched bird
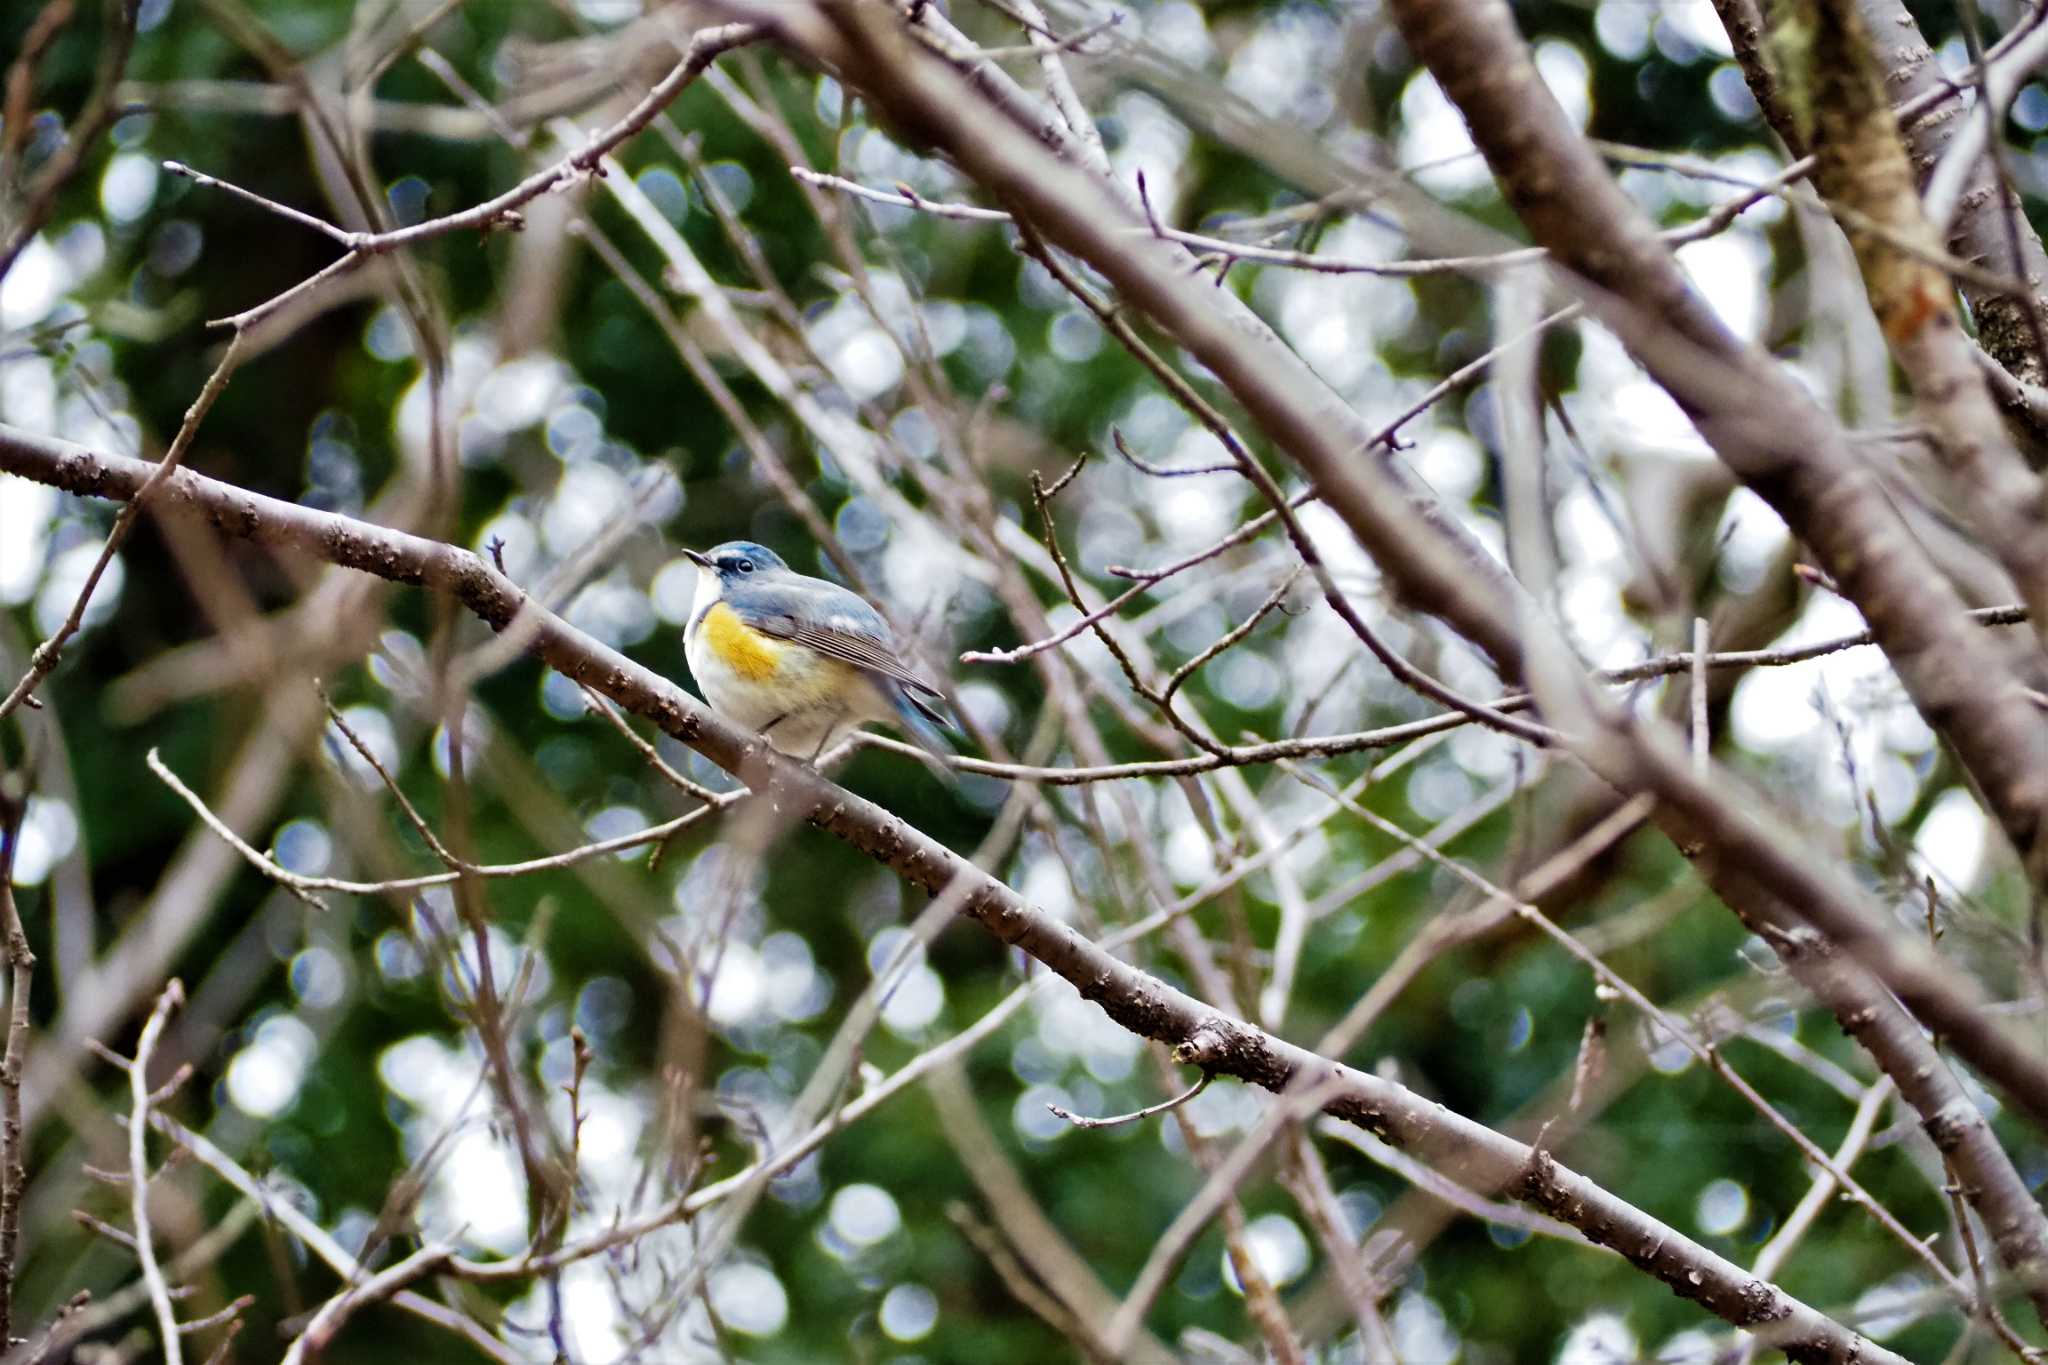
798	659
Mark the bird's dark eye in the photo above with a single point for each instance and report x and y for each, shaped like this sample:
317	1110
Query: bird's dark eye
745	566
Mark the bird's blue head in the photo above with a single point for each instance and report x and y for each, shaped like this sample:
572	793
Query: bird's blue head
737	561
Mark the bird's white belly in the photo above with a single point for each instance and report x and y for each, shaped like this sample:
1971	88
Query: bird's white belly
804	704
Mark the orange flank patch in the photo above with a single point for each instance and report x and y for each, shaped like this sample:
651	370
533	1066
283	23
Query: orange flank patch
746	651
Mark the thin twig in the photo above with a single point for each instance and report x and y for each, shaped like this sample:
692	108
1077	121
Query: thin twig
706	46
1230	638
139	1099
1136	1115
21	963
308	886
1702	742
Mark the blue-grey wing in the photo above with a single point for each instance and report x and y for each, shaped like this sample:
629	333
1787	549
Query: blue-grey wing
837	623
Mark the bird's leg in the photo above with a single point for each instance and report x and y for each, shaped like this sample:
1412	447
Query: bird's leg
825	738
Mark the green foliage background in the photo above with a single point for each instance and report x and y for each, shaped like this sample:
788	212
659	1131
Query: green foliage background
1492	1030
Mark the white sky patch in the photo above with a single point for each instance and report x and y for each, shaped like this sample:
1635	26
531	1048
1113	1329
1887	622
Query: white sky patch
608	11
1070	1026
1422	1334
1220	1110
28	386
519	392
737	990
319	977
868	364
1178	29
83	245
1723	1207
1278	65
1774	707
1906	731
1751	535
923	571
589	498
373	728
1189	856
1109	532
476	735
67	579
1728	272
518	543
614	822
1156	143
909	1312
590	1312
31	289
265	1075
864	1215
915	1003
749	1298
614	611
610	1132
1589	600
81	422
1277	1246
1602	1339
1758	166
1433	135
1885	1310
399	663
128	187
1623	27
477	1197
1337	343
49	831
1589	534
987	706
1340	550
1697	23
1193	512
1636	413
1045	884
1563	68
1953	838
412	418
916	995
1450	461
423	1071
1690	1347
795	988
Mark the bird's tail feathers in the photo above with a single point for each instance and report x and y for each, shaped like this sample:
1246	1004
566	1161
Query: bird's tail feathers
927	727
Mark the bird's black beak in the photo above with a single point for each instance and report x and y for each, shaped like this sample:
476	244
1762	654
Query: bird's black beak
701	560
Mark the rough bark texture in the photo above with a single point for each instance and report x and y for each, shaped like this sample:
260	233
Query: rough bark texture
1979	232
1862	166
